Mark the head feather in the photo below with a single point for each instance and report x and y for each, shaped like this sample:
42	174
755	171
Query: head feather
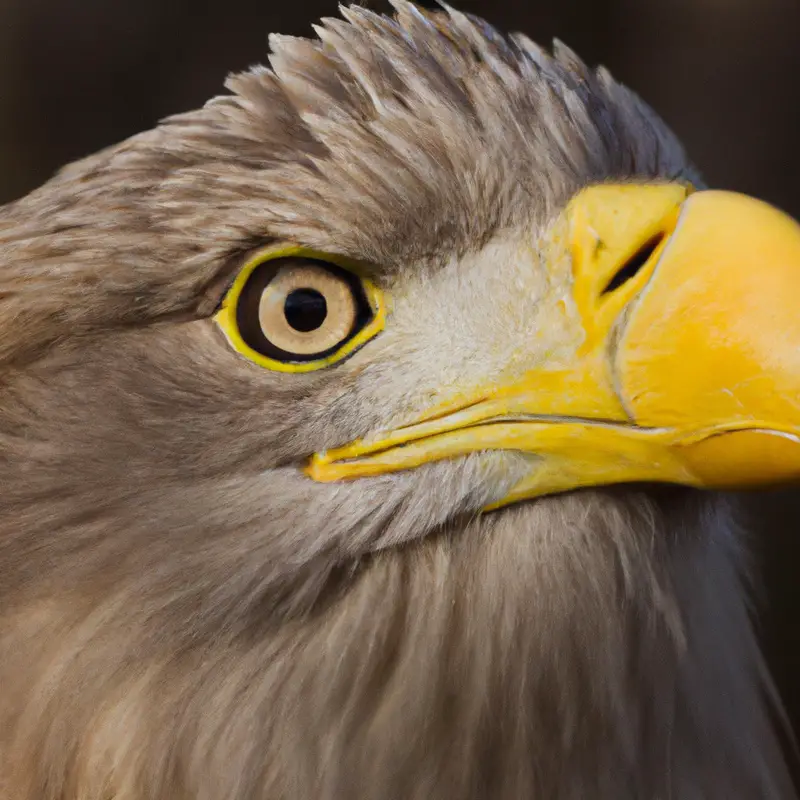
390	139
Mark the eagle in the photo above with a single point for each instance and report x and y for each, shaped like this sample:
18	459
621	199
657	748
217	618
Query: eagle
376	431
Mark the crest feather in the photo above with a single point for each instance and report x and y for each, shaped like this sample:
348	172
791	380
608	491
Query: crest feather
395	140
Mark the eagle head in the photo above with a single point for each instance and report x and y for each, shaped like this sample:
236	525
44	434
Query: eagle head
366	432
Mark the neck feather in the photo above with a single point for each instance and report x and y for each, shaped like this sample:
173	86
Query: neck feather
594	645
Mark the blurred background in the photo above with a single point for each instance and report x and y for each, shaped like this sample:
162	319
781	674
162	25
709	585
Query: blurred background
78	75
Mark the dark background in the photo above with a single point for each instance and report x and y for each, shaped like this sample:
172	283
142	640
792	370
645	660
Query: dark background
77	75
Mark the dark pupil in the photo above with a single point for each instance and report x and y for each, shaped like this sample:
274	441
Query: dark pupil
305	309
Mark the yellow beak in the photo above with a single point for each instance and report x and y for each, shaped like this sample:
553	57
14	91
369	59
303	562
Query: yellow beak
688	370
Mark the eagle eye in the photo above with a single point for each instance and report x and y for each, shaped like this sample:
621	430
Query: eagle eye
296	311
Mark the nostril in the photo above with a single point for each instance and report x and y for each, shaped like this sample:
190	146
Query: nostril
629	269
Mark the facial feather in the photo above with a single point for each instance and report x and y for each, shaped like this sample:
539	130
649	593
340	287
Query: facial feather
184	614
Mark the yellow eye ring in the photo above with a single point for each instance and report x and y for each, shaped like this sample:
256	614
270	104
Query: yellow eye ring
227	316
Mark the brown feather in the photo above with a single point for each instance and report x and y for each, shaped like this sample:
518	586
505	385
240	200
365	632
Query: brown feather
184	615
